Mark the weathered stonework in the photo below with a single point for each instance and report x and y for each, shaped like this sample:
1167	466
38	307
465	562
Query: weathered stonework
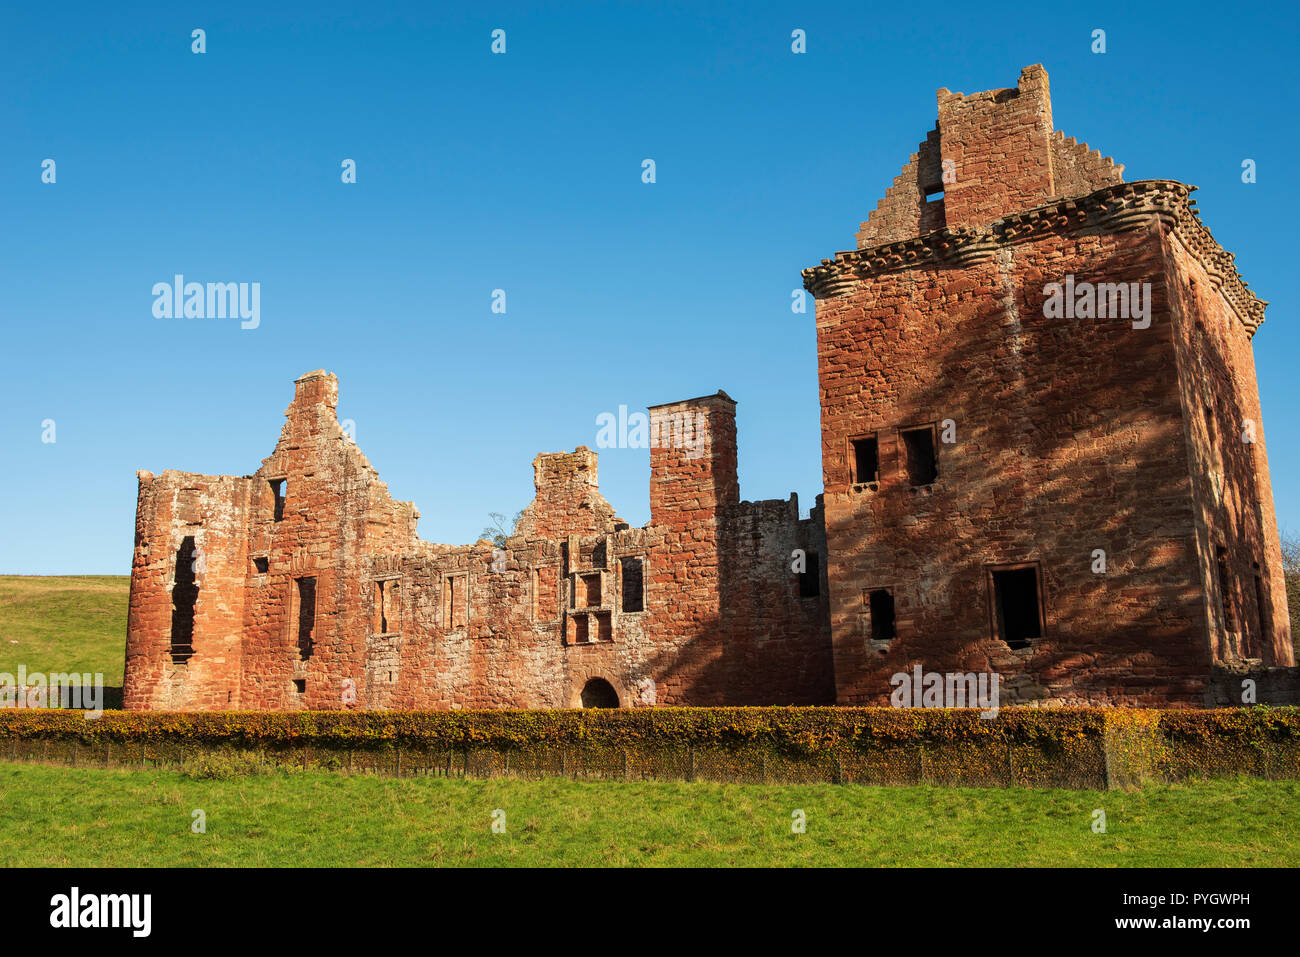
1079	502
1068	435
698	607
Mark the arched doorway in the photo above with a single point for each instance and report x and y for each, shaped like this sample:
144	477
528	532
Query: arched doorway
599	693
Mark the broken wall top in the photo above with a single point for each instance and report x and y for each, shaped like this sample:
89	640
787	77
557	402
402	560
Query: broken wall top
990	155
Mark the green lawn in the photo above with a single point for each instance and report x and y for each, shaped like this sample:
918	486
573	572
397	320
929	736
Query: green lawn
64	623
58	816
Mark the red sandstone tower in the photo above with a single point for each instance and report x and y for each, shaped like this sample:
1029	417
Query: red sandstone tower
1042	445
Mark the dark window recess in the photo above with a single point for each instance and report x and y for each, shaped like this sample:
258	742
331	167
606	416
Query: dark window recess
922	469
262	565
881	603
1225	593
379	608
810	579
300	685
1015	598
599	693
1209	426
866	460
185	594
306	616
633	584
277	489
1263	611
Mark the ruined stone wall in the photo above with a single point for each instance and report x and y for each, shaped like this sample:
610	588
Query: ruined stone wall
191	527
335	516
1078	170
693	479
999	143
567	500
904	212
574	595
991	154
778	633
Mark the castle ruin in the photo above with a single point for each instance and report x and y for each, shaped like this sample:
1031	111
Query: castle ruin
1043	456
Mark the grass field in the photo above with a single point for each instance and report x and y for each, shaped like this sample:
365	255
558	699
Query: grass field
58	816
64	624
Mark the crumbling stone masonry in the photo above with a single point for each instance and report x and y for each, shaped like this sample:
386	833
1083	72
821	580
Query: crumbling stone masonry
1043	455
304	585
1022	473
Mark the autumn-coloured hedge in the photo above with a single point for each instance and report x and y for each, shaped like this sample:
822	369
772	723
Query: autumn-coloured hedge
1036	747
805	730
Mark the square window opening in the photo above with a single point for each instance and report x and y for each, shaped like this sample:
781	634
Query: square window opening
1017	606
881	605
922	466
866	460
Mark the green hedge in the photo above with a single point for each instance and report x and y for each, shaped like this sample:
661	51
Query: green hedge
1035	747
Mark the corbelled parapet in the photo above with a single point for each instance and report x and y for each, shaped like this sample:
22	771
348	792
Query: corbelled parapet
1122	207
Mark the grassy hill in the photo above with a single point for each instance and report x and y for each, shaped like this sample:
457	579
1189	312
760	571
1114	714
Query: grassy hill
64	623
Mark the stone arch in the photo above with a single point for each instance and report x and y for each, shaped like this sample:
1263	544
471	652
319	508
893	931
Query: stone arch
577	678
598	693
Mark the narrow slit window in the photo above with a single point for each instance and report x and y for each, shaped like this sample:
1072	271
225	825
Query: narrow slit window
278	489
455	602
866	460
810	579
306	617
1263	611
1225	591
185	594
633	584
381	613
922	467
1017	607
880	602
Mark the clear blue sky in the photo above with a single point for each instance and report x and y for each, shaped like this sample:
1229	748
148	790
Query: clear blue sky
523	172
